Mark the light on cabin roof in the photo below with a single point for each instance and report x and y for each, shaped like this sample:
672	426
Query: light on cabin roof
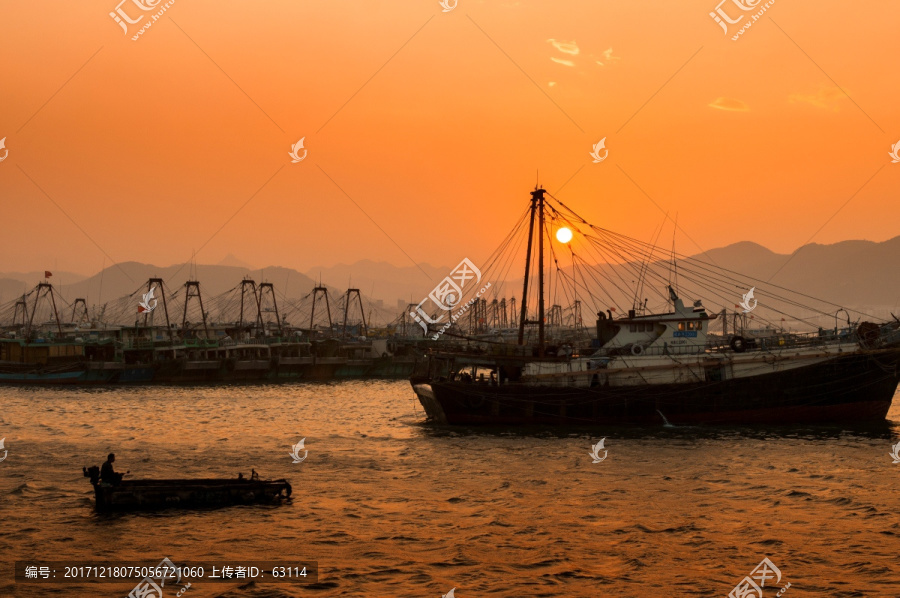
564	235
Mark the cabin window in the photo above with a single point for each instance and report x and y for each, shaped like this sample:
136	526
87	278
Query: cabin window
699	325
632	327
680	325
690	325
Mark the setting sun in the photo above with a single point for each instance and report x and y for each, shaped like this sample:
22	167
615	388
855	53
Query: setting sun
564	235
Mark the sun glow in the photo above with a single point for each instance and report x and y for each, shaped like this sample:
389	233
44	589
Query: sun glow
564	235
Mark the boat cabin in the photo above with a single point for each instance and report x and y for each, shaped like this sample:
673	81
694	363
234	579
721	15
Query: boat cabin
683	330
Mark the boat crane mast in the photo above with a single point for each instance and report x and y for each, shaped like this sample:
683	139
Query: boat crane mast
247	282
362	311
162	292
312	313
195	285
537	208
47	289
84	312
262	293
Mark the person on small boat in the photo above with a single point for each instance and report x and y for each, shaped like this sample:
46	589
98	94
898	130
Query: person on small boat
107	474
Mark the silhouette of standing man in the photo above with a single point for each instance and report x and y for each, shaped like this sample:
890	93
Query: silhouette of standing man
108	474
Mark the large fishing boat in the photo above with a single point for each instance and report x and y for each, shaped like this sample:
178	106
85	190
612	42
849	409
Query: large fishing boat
666	365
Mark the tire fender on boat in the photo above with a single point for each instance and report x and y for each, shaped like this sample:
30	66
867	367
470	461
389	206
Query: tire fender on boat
637	350
738	344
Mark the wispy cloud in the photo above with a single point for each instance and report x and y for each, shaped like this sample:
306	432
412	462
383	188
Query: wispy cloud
828	98
561	61
565	47
608	58
730	104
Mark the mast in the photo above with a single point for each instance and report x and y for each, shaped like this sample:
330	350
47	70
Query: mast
262	288
252	284
84	313
312	313
24	305
410	309
540	199
362	311
48	290
162	292
195	285
534	201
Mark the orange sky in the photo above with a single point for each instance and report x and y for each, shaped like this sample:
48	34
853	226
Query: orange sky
151	147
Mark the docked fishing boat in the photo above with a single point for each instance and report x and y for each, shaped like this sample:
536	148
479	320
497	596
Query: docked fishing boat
136	495
648	366
51	352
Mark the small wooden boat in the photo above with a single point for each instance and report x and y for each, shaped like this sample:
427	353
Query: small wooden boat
135	495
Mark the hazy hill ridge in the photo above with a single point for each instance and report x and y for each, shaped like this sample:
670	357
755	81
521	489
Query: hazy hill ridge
859	274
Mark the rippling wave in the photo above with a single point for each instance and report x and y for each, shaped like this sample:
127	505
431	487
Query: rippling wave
390	506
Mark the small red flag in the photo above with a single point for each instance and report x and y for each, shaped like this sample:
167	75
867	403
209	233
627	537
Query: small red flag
47	273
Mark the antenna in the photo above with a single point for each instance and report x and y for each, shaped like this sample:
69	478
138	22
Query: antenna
102	269
674	263
645	265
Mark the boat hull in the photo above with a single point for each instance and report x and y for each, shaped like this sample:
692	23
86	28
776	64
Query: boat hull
75	373
853	387
137	495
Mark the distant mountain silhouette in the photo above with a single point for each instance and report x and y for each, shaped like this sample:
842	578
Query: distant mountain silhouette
230	260
382	280
854	274
858	274
125	278
121	280
15	283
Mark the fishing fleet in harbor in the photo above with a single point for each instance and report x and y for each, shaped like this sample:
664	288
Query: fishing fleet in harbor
476	356
663	365
259	345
